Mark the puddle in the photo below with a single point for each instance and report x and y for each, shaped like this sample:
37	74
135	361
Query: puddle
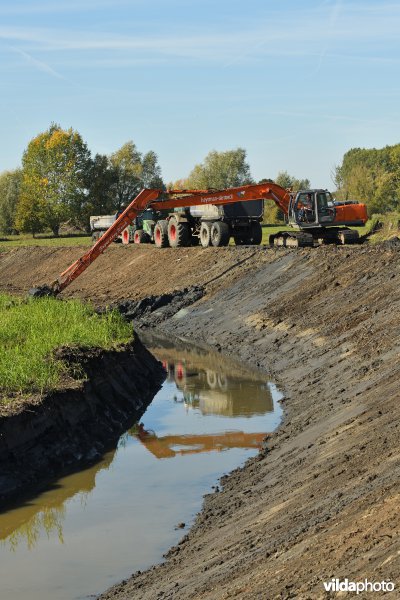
94	528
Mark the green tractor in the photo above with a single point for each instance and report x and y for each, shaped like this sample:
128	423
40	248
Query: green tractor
144	226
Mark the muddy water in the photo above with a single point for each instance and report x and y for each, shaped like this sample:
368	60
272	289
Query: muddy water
94	528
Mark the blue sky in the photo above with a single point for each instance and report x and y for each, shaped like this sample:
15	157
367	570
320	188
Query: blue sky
296	83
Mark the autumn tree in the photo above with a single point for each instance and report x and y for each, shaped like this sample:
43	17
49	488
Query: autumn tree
220	170
10	184
54	170
134	171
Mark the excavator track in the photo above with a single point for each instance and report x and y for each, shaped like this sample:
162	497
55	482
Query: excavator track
292	239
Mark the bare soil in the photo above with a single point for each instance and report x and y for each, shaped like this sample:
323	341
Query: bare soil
321	500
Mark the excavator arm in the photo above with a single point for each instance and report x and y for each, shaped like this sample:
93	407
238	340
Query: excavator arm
138	205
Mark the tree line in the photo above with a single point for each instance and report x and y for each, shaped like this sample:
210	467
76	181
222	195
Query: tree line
371	176
60	181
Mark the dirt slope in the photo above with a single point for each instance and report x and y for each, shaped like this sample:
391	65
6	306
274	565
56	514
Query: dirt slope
122	272
322	500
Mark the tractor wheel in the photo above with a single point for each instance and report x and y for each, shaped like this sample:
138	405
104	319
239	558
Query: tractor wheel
141	237
219	234
161	234
178	233
126	238
205	234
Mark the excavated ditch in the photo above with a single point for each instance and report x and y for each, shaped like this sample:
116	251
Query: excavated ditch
75	425
321	500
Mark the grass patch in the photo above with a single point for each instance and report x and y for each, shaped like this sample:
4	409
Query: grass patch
383	227
16	241
30	331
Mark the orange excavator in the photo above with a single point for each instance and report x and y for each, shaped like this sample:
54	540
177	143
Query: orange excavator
312	214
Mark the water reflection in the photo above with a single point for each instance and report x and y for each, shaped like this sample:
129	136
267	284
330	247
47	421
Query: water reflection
210	382
170	446
95	527
46	512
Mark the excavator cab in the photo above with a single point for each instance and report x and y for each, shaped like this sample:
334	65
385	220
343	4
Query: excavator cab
311	208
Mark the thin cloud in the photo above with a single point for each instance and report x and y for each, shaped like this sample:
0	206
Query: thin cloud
302	34
37	64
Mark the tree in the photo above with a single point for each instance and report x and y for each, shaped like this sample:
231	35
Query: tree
10	184
133	173
54	171
31	211
101	178
151	171
371	176
273	214
220	170
288	181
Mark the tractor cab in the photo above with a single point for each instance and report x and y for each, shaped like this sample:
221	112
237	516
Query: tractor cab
311	208
147	215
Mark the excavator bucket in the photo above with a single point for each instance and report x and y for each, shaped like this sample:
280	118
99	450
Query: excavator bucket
41	291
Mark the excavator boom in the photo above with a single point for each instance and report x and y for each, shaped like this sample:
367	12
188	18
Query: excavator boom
138	205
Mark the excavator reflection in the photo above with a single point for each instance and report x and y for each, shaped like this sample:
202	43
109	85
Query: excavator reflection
170	446
213	385
210	383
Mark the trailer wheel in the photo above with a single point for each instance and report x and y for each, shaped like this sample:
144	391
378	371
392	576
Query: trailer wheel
220	234
255	233
178	233
161	234
205	234
141	237
239	240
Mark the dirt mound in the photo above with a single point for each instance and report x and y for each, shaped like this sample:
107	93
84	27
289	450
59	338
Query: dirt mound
122	272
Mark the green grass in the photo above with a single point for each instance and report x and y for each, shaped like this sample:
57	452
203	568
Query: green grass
30	330
15	241
383	227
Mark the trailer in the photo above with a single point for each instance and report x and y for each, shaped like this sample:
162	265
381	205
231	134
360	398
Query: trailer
206	224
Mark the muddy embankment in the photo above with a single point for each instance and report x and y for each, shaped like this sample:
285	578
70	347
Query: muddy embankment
321	500
42	437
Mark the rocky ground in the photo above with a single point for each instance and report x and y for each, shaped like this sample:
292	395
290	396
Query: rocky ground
321	500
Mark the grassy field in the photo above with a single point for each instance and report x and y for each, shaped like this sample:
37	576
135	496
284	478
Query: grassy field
30	330
15	241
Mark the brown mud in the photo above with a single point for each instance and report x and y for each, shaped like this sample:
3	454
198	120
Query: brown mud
321	500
